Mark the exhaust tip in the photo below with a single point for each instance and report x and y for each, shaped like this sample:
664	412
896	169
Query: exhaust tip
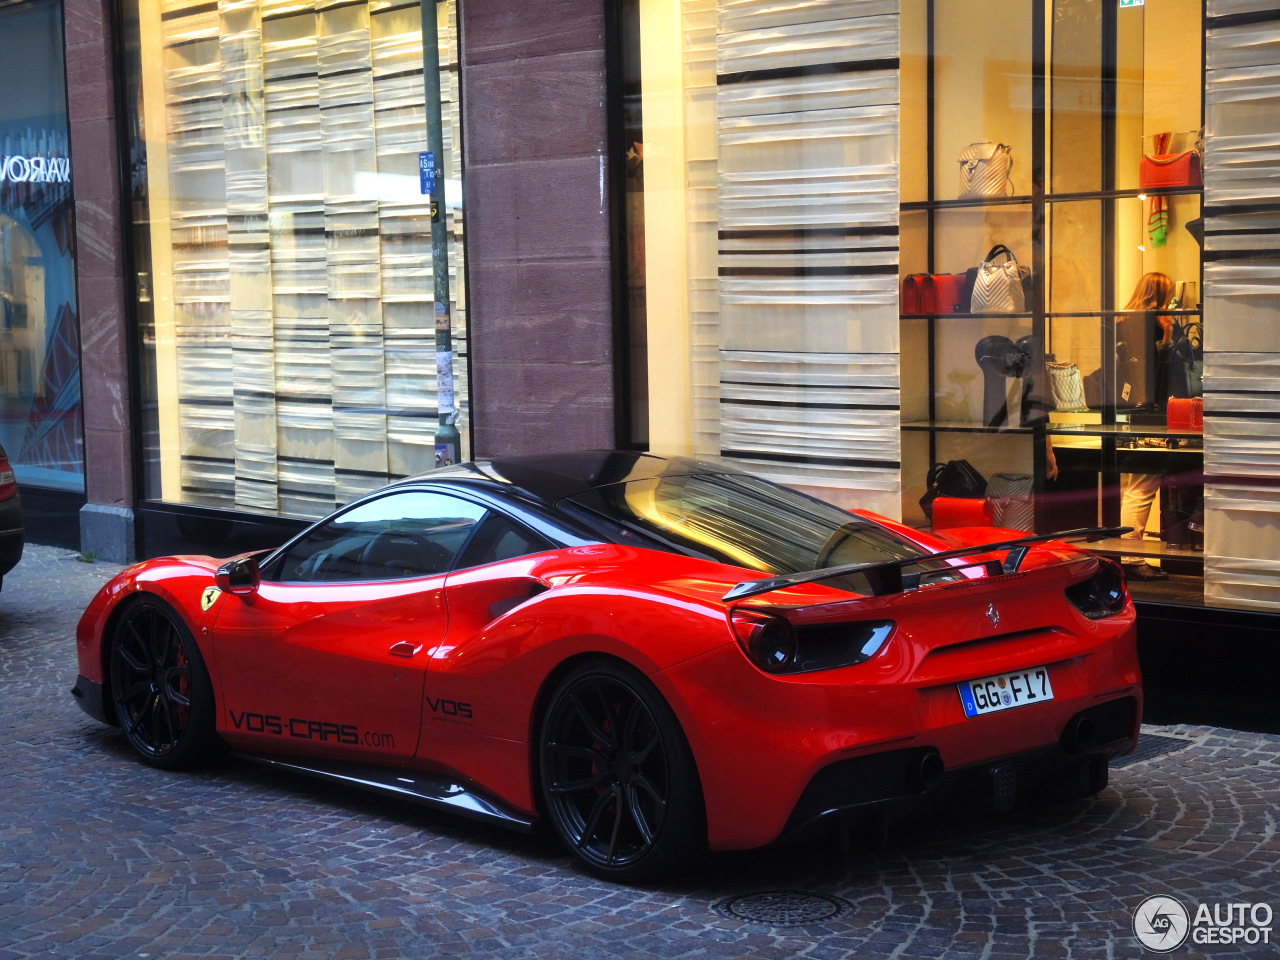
927	771
1080	735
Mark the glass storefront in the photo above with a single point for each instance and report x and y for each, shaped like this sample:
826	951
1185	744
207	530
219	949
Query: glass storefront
40	419
880	237
282	242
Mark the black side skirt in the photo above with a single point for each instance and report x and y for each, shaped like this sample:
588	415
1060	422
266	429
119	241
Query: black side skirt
425	789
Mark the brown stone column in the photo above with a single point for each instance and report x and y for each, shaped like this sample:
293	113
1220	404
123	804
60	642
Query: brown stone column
106	522
538	225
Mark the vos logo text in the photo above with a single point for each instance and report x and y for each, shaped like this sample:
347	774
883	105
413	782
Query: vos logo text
450	711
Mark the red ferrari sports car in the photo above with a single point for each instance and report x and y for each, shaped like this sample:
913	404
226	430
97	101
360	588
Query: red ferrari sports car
653	655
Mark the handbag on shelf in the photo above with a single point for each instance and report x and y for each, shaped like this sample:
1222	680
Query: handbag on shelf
951	512
1166	171
1186	362
955	478
985	170
1186	413
1012	501
998	285
933	293
1066	386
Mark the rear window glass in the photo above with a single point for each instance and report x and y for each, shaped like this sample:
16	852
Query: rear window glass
738	519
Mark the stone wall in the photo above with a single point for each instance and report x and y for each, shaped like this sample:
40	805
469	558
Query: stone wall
537	201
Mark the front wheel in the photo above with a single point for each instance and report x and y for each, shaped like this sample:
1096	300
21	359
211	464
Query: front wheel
618	779
160	689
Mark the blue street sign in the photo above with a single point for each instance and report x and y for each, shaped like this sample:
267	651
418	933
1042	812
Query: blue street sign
427	172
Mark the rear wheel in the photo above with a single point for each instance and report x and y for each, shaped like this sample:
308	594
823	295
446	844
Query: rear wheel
618	779
160	689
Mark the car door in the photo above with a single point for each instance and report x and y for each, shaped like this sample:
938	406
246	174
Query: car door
473	712
328	656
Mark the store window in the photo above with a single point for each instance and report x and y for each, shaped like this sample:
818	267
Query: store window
880	237
769	200
1051	269
40	423
282	240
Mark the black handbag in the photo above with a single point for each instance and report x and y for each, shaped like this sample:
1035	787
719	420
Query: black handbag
955	478
1186	364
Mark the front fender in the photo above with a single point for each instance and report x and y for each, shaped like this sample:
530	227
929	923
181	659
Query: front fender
179	581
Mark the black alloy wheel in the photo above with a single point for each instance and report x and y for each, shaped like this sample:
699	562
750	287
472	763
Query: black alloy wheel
160	688
617	776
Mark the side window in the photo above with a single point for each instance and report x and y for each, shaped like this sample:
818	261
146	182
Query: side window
501	538
410	534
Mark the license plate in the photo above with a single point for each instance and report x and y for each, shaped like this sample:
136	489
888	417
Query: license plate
1005	691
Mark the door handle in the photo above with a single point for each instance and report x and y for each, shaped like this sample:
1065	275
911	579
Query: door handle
404	649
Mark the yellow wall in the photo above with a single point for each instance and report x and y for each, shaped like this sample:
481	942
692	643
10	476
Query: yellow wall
662	105
166	346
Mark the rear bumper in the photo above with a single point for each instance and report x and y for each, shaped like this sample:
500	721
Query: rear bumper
760	741
906	778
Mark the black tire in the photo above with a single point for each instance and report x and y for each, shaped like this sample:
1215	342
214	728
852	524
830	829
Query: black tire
617	777
160	689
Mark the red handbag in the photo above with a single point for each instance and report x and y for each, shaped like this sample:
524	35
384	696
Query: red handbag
938	293
1167	170
961	512
1179	413
1186	413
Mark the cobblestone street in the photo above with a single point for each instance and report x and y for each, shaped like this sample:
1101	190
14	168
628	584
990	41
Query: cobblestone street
103	857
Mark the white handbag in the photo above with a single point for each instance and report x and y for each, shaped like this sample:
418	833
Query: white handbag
985	170
998	286
1066	386
1012	501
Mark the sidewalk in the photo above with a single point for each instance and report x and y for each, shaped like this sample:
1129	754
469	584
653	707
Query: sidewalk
102	857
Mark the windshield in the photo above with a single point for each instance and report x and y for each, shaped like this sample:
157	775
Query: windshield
738	519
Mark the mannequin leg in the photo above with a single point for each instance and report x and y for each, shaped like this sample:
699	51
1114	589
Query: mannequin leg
1137	494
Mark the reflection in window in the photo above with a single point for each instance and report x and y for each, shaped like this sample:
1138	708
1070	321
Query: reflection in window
501	538
745	521
391	538
40	422
284	248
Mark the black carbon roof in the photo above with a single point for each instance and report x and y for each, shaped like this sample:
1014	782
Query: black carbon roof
551	477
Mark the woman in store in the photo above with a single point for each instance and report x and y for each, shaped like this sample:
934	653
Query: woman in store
1144	346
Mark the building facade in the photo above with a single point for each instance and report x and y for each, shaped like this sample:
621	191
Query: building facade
837	242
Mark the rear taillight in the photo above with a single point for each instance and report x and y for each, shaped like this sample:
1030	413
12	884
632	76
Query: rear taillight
1102	595
768	641
8	483
775	645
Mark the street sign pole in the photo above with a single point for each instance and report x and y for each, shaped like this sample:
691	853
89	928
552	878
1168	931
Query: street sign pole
447	438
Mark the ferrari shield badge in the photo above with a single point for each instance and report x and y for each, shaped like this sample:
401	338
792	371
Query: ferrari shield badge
209	598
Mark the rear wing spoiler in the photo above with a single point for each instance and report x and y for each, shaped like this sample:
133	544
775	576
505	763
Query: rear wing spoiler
887	576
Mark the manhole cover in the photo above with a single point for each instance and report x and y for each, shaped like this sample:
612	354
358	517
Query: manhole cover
1150	746
782	908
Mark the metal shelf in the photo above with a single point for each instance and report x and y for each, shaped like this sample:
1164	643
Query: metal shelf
966	203
960	426
1128	194
1120	430
1153	549
965	316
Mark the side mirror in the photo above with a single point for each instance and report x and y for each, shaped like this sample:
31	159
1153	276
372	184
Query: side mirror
240	576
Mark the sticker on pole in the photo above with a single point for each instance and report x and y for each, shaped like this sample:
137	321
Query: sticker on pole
427	172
